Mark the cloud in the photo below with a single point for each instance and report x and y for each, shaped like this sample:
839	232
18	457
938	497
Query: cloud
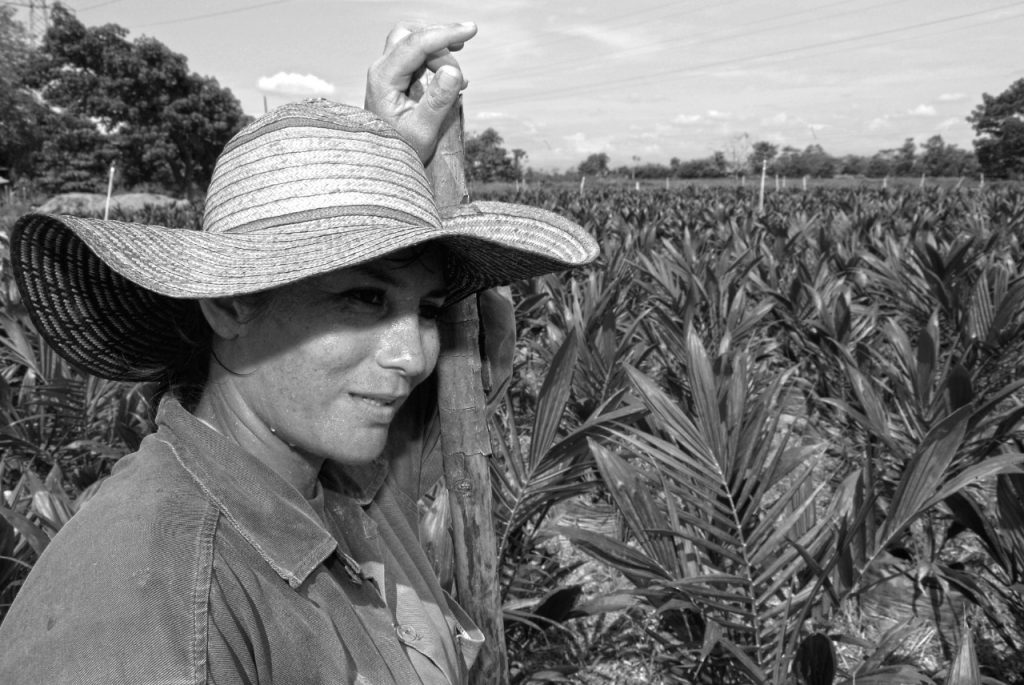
878	123
687	119
922	111
615	39
286	83
952	97
489	116
777	119
951	122
582	145
715	114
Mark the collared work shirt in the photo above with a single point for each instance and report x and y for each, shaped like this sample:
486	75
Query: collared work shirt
195	563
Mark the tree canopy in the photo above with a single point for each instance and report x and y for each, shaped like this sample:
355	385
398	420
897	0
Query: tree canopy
762	152
999	124
487	160
933	158
594	165
21	129
163	124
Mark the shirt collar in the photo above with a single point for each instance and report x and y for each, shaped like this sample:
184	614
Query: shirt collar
271	515
359	483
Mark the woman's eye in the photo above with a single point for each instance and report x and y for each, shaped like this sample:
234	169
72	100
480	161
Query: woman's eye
431	311
364	298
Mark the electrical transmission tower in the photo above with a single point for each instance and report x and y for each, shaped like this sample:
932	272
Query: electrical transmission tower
38	20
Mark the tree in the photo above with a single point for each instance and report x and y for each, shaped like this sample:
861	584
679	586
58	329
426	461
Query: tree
518	157
818	163
788	163
905	158
714	166
998	123
812	161
21	117
719	164
852	165
167	124
939	159
74	155
487	160
594	165
762	151
880	165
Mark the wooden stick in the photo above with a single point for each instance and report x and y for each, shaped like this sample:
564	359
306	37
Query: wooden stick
464	439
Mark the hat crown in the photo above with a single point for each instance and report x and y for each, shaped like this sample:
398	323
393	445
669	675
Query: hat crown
317	160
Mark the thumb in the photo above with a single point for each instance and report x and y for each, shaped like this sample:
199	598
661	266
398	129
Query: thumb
441	93
428	117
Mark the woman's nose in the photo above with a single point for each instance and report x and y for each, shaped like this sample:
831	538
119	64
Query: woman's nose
406	346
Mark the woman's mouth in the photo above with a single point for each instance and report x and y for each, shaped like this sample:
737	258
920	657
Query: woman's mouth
377	400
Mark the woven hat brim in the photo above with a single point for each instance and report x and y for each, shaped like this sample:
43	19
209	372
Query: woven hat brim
109	296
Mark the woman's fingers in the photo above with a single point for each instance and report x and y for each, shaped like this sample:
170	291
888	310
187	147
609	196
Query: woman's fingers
410	48
397	92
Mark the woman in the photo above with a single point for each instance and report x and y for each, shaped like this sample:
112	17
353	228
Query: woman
266	533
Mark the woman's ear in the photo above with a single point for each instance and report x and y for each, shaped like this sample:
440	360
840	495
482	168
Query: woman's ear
229	317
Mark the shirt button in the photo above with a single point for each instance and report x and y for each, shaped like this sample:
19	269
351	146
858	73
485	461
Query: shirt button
407	633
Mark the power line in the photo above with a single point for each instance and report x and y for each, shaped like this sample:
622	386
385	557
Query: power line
702	39
102	4
832	134
647	78
837	135
213	14
556	38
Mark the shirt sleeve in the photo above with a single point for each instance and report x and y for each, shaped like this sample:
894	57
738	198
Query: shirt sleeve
261	631
231	657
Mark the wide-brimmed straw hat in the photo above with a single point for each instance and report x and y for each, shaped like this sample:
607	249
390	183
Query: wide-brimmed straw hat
306	189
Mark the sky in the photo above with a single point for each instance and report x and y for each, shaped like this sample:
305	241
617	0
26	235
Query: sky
642	80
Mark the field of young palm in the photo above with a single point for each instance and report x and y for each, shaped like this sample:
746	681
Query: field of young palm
745	446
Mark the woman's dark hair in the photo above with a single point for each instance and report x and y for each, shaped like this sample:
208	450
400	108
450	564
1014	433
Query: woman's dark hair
186	373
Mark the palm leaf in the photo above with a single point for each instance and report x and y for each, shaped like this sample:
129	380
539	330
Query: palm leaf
964	669
926	471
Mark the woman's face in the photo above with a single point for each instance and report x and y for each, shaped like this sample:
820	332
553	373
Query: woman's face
328	362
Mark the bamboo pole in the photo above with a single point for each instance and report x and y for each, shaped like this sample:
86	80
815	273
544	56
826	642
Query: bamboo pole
464	440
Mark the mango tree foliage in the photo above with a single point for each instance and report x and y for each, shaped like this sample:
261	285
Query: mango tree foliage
167	124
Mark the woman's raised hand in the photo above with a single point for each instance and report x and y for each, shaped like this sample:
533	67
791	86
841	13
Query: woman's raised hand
397	91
